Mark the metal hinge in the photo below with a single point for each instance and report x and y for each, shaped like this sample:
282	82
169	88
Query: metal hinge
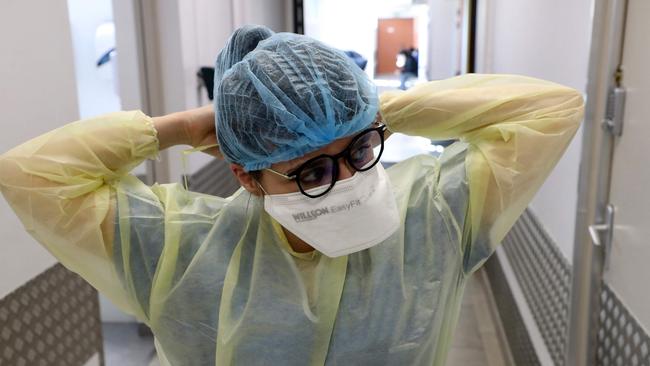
613	122
602	235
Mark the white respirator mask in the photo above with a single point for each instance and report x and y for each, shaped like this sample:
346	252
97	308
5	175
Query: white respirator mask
358	213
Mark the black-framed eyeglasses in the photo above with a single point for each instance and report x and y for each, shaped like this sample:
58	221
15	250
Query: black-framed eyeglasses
317	176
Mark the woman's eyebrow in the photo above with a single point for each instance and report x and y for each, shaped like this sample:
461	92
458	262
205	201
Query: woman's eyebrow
294	166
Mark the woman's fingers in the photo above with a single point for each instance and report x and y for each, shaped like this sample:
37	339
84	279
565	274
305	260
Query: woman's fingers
208	140
200	125
214	151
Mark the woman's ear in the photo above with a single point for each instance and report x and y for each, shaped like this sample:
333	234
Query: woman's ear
246	179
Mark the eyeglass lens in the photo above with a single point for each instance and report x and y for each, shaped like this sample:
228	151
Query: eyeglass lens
319	175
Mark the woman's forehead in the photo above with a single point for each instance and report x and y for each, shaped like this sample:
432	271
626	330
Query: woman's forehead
333	148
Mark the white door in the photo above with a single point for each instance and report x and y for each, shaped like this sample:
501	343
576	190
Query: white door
629	271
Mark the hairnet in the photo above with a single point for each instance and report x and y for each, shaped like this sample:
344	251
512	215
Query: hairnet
279	96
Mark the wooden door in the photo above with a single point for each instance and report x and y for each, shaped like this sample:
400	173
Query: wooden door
393	35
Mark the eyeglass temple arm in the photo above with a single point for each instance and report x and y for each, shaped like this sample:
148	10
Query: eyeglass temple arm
289	177
385	130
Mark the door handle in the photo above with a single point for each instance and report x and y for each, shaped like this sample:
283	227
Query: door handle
596	231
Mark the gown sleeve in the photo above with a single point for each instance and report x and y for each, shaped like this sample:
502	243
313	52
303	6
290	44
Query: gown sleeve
516	129
64	185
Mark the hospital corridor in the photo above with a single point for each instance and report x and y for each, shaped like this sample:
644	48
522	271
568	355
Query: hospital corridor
324	182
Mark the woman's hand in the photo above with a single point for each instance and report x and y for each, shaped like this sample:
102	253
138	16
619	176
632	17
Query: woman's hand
193	127
201	130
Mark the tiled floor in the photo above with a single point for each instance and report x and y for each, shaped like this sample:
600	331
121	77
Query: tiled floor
124	347
476	340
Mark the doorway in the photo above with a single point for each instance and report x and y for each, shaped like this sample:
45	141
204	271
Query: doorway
393	36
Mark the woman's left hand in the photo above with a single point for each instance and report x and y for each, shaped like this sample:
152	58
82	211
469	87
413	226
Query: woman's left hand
201	130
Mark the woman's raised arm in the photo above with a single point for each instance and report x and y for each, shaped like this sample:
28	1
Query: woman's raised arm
62	184
516	128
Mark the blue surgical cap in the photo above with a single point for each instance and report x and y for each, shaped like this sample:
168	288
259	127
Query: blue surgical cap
279	96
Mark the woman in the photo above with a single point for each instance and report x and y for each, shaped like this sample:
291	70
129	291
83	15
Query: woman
323	257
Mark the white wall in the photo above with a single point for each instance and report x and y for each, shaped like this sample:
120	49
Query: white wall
443	33
37	84
271	13
548	39
339	23
96	86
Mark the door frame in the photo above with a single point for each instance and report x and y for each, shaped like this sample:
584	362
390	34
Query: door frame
608	28
137	36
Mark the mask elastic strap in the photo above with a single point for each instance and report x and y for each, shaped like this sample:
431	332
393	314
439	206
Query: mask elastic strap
184	155
262	188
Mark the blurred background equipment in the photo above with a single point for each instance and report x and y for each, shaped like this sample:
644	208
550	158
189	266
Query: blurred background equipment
358	59
205	77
